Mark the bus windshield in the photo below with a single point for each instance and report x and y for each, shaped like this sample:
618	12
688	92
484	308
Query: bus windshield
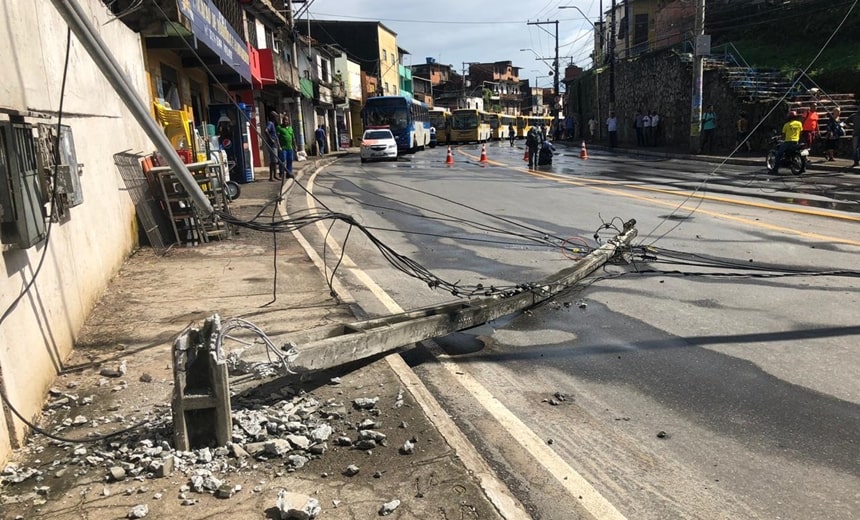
393	117
464	121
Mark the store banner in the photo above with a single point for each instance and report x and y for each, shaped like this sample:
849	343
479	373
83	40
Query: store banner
211	28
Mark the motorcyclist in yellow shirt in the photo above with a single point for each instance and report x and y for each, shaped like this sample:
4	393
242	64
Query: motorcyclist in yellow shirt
791	140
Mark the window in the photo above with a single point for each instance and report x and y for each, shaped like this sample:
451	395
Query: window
384	55
386	90
22	211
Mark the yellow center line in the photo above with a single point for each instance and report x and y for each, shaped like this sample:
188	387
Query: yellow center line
590	183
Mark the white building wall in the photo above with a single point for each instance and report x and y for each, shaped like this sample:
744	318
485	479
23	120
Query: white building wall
83	253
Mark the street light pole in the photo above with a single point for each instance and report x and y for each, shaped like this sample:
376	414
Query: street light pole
554	69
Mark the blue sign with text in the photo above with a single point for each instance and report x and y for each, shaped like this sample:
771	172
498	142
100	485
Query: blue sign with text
211	28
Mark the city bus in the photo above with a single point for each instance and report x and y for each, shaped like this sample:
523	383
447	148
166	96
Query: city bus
440	119
499	125
406	117
505	120
469	125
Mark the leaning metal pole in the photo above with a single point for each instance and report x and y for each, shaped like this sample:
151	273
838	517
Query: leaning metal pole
79	23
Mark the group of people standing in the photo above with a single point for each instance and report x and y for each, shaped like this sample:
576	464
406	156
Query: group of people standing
646	125
281	143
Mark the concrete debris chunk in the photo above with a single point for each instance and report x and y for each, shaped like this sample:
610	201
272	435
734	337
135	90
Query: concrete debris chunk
367	424
278	447
224	491
79	420
114	372
366	444
300	442
297	506
297	461
351	470
365	403
116	474
389	507
138	511
371	435
408	448
255	448
398	401
321	433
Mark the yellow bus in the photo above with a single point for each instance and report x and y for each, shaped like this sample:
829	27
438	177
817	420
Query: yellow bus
506	120
469	125
440	119
522	126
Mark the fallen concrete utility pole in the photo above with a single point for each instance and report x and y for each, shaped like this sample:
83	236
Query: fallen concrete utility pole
201	396
78	21
328	347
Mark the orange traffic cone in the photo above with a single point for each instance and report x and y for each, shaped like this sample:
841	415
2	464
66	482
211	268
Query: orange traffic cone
484	153
450	158
583	153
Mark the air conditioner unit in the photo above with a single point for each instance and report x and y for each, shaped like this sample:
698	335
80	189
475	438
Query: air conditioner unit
22	219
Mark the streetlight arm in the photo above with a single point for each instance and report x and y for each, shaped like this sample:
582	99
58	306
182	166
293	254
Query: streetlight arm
580	12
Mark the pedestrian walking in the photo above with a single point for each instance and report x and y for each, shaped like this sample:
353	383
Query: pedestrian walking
512	133
320	137
612	128
709	128
592	128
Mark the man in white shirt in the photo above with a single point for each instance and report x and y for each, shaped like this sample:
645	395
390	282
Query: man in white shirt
612	128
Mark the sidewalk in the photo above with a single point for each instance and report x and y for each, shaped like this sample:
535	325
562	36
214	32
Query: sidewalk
754	159
312	438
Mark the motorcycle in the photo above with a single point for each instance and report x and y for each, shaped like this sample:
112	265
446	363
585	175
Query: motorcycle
795	159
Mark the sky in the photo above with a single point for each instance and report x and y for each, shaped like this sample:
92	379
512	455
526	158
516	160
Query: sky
458	31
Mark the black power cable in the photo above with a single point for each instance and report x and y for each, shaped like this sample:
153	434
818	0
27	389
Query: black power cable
32	281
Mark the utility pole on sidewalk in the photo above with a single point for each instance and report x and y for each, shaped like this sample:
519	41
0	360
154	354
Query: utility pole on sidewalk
701	47
556	95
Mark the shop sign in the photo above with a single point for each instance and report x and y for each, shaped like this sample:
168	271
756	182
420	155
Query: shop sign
211	28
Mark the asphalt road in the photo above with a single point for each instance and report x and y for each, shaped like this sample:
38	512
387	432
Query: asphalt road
680	394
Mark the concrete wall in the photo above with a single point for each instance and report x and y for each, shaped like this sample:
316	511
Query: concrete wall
663	82
83	253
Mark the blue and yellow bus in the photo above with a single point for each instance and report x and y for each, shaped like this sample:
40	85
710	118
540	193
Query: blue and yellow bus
407	118
469	125
440	119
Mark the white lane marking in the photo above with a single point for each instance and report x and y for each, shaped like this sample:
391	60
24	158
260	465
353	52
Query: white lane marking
574	483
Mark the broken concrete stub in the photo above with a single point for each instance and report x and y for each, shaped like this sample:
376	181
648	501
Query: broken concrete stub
201	392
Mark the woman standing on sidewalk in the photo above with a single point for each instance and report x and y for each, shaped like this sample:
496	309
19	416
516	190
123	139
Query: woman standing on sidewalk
834	132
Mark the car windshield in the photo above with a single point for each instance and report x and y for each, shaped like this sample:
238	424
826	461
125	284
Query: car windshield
378	134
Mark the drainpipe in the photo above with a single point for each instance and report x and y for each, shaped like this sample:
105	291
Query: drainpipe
79	23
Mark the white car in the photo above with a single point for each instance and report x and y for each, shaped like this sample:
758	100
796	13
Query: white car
378	143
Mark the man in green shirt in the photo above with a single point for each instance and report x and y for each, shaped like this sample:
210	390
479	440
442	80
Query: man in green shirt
287	142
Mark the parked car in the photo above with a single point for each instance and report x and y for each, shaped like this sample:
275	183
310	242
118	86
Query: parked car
378	143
